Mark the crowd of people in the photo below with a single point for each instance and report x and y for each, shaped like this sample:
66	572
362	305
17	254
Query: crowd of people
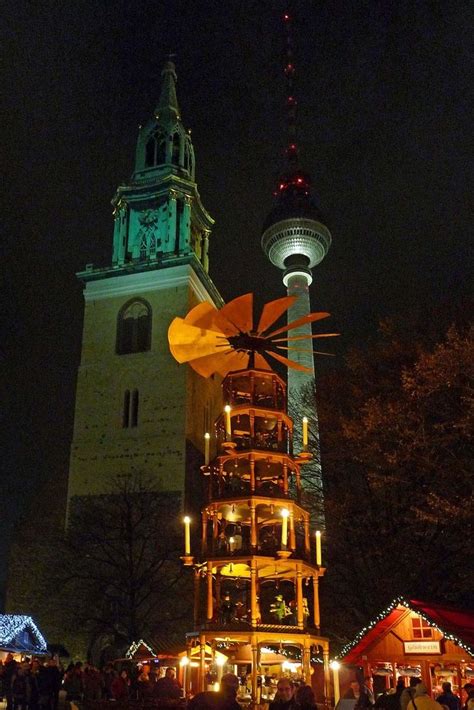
413	697
36	685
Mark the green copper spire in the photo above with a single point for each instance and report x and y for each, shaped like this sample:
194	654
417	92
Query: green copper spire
159	218
167	111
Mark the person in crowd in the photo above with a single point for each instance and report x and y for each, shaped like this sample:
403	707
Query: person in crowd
368	689
305	698
145	687
49	683
390	700
153	676
120	686
353	692
448	698
20	687
409	692
108	674
469	690
364	702
72	683
9	669
224	699
33	677
55	679
421	700
167	687
284	697
92	683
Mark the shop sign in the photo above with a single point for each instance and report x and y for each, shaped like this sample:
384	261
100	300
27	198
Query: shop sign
422	646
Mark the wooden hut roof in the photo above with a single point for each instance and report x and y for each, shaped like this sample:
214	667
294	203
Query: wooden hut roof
455	624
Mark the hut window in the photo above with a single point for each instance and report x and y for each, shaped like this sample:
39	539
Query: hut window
421	629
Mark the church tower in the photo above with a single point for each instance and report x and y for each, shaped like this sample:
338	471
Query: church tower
295	239
136	411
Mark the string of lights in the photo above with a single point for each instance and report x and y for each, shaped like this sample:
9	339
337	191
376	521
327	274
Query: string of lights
135	646
12	625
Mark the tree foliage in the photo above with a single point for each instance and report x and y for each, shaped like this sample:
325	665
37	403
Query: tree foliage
121	570
396	427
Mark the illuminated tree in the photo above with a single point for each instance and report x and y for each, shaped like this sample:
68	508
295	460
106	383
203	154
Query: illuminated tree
396	427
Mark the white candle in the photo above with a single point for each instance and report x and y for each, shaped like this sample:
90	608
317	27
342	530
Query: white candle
318	547
207	438
335	673
187	535
284	528
228	429
305	432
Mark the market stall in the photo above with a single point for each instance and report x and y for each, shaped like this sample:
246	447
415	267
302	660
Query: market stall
413	638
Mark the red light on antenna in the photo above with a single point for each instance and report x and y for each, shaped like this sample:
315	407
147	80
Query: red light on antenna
286	17
299	180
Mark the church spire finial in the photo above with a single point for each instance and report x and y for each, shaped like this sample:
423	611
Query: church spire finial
167	110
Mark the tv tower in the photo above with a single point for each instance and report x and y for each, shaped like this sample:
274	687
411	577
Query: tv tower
296	239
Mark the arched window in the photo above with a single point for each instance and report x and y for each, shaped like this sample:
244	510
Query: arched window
134	328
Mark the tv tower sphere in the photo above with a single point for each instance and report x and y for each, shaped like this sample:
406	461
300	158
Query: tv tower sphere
294	237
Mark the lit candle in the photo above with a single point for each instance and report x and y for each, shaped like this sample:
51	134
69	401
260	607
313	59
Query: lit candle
318	547
187	535
228	429
207	438
231	544
305	432
284	528
335	672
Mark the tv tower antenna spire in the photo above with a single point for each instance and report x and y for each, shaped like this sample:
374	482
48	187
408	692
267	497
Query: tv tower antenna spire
296	239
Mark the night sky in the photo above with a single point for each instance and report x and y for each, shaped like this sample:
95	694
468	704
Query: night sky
384	90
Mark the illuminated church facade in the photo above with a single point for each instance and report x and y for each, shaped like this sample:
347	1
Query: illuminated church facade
136	411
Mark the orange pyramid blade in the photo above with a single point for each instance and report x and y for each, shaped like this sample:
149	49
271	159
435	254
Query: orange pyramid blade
261	363
304	350
209	364
310	318
187	342
289	363
273	310
236	316
232	362
305	337
201	315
